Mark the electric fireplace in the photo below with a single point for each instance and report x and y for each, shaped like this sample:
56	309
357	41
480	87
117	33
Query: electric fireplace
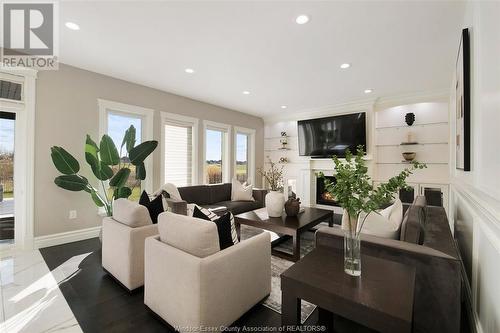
322	196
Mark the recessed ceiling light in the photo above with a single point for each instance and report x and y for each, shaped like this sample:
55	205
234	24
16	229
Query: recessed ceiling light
72	26
344	66
283	106
189	70
302	19
368	91
246	92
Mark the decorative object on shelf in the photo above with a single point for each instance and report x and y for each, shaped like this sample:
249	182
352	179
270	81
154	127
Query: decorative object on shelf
463	110
292	207
283	160
275	200
409	156
106	164
291	189
410	118
284	141
355	193
410	136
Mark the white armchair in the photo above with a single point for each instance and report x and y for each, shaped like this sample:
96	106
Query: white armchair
123	242
194	286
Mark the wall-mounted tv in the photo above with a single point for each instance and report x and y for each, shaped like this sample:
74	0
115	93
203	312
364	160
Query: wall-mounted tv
324	137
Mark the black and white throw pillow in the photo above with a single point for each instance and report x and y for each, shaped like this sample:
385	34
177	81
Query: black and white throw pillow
155	206
213	216
223	224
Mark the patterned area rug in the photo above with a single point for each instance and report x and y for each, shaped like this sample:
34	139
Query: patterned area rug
279	265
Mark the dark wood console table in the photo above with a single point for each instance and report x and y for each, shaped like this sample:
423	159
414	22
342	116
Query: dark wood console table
381	299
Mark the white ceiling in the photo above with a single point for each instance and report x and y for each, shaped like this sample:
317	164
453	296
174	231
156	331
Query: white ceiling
394	48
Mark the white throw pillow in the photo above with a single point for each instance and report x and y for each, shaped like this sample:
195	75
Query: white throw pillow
385	223
171	189
131	213
377	224
394	213
240	192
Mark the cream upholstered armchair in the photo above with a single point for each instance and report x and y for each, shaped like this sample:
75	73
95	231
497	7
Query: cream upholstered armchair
123	238
192	284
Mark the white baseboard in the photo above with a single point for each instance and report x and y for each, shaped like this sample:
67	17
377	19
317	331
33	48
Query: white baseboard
66	237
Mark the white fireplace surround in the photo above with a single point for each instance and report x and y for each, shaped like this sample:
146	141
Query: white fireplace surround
307	178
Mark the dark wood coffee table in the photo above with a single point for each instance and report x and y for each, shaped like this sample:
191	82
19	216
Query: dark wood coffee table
381	299
286	225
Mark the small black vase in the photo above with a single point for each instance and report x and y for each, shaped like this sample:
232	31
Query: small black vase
410	118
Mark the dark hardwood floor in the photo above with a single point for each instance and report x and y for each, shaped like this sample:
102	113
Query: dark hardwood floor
100	304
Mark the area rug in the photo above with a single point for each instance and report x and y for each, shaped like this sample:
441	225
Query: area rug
279	265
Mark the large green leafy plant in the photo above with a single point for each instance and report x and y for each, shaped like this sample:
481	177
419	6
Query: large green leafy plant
354	191
112	169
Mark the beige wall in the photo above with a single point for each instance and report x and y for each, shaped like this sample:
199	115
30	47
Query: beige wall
66	110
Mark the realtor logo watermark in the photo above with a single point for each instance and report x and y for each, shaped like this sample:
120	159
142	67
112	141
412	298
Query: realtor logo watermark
30	35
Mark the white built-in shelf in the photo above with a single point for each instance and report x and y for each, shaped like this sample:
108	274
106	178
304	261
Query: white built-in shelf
280	149
414	125
280	137
410	183
289	163
405	162
414	144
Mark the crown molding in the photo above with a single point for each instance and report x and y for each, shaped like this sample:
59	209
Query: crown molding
362	105
19	71
418	97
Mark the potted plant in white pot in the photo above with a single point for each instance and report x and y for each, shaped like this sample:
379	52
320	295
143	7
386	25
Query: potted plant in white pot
355	193
275	200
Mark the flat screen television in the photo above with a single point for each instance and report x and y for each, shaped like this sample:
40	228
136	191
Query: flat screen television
324	137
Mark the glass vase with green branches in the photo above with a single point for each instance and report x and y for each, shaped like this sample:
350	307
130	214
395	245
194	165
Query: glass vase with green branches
353	190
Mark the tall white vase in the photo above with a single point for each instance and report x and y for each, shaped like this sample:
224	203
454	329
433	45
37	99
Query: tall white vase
275	201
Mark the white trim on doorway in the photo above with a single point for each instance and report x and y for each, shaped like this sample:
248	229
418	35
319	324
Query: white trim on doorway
25	153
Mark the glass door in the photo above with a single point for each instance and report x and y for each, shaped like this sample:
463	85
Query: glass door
7	122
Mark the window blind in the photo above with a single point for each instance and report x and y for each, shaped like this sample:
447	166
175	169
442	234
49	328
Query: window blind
178	154
10	90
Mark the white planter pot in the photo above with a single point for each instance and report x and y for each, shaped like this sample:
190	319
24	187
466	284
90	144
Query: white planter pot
275	201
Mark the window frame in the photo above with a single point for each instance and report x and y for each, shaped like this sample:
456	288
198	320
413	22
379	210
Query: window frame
147	116
250	132
177	119
226	148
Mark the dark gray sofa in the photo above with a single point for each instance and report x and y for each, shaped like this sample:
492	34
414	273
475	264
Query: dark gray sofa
426	243
215	196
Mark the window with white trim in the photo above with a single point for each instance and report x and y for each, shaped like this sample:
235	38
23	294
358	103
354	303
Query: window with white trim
244	154
179	149
216	154
115	119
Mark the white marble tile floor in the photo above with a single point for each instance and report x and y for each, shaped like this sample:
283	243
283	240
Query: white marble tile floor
31	300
